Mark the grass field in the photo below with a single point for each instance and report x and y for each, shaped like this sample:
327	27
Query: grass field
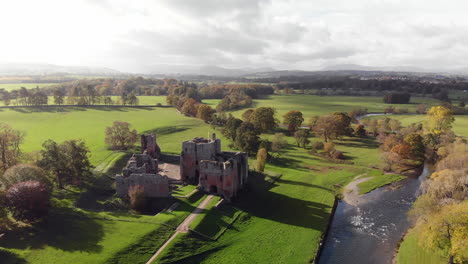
410	252
460	126
89	124
379	179
16	86
142	100
311	105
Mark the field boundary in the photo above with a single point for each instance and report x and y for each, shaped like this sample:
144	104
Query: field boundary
85	106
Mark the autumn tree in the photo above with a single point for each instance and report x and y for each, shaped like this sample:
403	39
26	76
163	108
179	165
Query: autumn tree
205	112
262	155
10	141
360	131
324	127
28	200
447	230
263	119
415	141
394	124
189	108
293	119
120	136
439	119
302	137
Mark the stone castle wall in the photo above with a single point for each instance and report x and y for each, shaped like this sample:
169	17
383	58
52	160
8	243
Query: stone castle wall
154	185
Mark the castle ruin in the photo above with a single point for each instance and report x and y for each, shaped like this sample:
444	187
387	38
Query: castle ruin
142	169
220	172
202	163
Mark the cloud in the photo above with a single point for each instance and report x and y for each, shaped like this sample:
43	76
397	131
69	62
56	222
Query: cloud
133	35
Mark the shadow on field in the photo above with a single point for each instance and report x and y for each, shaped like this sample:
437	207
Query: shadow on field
358	143
68	230
65	109
260	202
302	184
167	130
7	257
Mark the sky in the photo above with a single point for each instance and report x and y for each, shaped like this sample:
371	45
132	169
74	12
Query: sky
146	35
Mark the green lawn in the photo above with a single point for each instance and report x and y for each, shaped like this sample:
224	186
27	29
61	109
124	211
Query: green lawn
379	179
142	100
72	235
89	124
460	126
311	105
16	86
412	253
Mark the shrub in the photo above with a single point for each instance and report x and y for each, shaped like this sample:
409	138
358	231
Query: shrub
137	197
158	104
318	145
28	200
329	147
22	173
336	154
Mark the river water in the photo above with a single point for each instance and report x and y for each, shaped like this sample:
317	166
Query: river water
370	231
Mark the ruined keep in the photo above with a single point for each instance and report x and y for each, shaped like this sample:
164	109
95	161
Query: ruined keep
142	169
149	146
215	171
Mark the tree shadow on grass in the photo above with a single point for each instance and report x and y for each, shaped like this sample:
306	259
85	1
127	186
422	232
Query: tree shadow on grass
261	202
68	230
302	184
358	143
7	257
167	130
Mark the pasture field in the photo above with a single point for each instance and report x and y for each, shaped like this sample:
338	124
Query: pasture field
460	126
142	100
410	252
311	105
16	86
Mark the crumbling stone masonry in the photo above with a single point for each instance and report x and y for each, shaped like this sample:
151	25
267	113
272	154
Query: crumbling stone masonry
142	169
215	171
149	146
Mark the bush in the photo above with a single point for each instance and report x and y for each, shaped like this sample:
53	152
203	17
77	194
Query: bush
158	104
28	200
137	197
317	145
336	154
329	147
22	173
400	110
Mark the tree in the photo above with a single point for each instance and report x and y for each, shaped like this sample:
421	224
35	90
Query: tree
324	127
293	119
262	156
205	112
230	128
394	125
329	147
28	200
278	143
361	131
302	137
59	96
390	160
247	114
415	141
397	98
22	173
333	126
403	150
263	119
68	162
138	201
247	138
447	230
119	135
10	141
189	108
439	119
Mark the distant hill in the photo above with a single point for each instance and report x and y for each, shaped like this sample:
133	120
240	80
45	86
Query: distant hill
208	70
51	69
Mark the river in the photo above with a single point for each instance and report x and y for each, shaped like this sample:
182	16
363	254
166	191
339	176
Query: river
370	231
